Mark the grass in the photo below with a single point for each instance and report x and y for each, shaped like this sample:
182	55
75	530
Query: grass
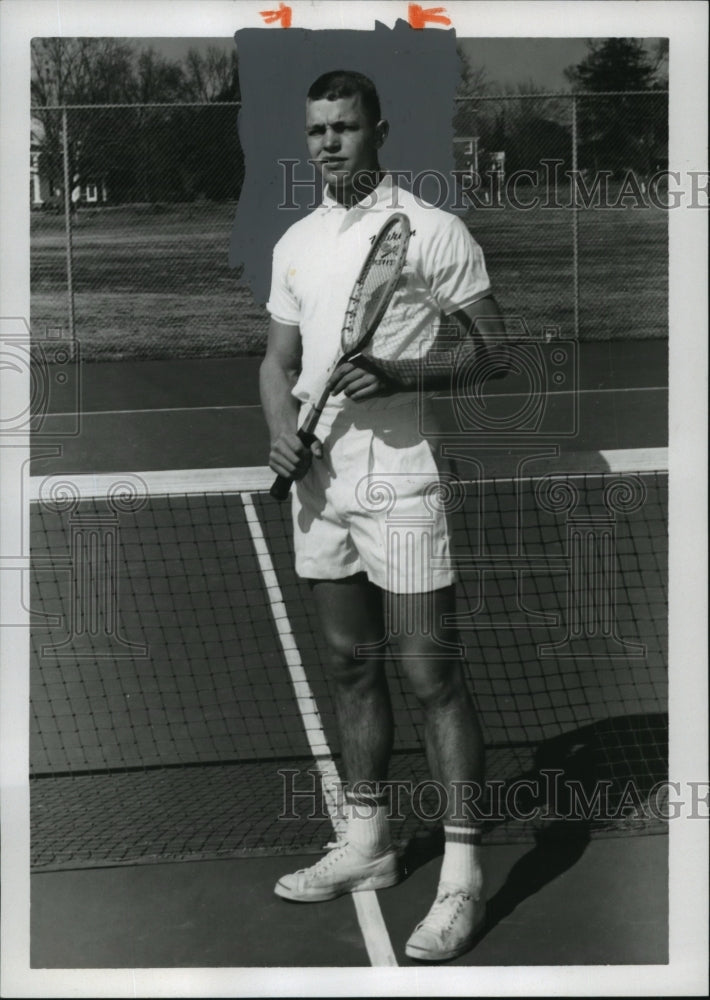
154	282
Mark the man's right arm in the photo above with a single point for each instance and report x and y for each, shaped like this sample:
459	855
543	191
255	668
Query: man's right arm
288	455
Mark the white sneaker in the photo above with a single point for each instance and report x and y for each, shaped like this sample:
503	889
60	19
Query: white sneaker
449	928
342	870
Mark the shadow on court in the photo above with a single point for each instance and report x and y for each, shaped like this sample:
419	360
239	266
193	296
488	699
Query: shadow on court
562	897
572	789
556	850
565	900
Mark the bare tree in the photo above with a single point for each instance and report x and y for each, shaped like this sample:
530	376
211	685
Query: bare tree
212	76
531	127
142	152
157	80
81	71
473	82
75	71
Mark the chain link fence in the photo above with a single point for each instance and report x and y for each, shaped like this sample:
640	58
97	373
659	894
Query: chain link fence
560	190
570	208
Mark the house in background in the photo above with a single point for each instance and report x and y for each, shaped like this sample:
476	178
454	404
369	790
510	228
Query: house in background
46	190
42	187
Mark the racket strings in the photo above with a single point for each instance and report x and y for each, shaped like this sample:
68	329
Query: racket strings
375	288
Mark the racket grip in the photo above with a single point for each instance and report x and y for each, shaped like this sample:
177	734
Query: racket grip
281	486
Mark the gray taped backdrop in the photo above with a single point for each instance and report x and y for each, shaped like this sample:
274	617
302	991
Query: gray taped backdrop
415	72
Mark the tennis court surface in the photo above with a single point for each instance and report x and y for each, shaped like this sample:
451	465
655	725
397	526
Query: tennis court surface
179	691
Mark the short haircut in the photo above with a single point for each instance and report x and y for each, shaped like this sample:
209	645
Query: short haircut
346	83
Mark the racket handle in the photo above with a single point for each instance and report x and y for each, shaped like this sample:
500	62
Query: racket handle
281	486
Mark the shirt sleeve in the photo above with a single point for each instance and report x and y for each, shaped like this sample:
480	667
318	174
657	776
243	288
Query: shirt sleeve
455	267
283	304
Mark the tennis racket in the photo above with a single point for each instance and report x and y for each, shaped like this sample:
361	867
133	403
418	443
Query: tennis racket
369	299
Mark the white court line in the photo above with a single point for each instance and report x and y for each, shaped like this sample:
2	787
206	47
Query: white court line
259	478
369	915
257	406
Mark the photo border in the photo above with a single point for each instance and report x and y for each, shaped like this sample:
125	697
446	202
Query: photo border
685	23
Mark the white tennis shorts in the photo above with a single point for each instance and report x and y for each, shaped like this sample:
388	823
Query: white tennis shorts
374	503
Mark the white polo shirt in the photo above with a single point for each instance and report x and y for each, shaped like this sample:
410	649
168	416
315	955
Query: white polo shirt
317	260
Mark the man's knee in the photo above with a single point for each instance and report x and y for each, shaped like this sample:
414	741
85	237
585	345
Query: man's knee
345	667
436	684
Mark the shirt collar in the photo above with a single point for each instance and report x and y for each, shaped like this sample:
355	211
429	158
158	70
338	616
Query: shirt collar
377	200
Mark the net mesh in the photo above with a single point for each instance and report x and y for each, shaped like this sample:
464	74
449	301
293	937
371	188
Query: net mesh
169	719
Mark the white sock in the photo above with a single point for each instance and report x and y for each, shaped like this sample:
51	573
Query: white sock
368	823
462	858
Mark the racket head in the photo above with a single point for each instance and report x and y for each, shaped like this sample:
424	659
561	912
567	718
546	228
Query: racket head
376	284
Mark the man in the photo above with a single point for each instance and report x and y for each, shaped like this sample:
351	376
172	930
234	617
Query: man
369	429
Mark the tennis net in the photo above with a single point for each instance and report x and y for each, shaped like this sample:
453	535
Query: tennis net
180	706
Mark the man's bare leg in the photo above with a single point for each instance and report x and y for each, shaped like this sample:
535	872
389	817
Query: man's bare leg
456	757
453	736
351	615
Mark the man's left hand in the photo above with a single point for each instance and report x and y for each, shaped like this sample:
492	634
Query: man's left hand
358	380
